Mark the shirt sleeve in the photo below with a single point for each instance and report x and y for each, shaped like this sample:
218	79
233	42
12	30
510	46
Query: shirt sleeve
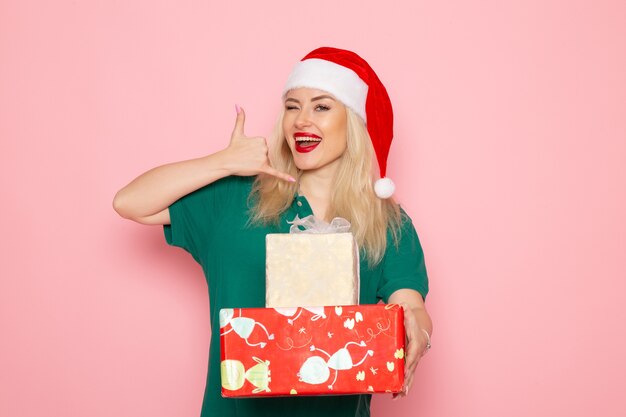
193	216
403	265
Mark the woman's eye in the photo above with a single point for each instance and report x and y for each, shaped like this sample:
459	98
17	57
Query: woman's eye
290	107
322	107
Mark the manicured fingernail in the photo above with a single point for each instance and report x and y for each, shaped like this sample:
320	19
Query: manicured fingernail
237	108
292	179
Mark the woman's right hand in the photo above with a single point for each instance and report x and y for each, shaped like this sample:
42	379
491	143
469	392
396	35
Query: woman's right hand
146	199
247	156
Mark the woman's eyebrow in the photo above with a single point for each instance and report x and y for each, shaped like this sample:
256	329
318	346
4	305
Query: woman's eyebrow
321	97
313	99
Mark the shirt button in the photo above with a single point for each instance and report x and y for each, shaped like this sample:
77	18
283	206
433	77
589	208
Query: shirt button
299	203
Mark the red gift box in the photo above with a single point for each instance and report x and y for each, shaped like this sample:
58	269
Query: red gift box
312	350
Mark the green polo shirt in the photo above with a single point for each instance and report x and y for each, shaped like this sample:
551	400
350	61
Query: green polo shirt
211	224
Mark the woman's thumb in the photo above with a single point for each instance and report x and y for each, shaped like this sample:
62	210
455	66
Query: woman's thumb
239	121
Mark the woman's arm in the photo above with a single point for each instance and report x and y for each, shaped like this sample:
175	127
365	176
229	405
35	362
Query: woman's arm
147	198
416	321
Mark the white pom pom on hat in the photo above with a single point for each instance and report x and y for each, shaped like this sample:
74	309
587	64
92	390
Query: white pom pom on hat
349	77
384	187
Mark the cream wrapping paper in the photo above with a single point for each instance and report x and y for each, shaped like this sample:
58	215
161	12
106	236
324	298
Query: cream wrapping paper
316	264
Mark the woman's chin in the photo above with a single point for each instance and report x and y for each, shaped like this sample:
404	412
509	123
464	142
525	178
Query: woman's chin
311	163
304	162
305	166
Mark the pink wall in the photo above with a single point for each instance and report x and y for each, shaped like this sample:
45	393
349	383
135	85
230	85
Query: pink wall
509	154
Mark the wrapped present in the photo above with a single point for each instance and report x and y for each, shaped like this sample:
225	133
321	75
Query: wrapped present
315	264
312	351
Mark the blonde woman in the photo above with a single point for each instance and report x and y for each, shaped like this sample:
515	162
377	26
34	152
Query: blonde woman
333	132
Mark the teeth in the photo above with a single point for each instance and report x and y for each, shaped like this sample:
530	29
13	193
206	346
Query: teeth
307	139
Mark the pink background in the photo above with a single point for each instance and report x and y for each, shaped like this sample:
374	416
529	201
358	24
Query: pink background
509	154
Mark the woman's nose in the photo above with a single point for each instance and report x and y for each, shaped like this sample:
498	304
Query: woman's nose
303	119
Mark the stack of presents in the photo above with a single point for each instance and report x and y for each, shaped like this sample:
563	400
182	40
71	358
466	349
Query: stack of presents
312	337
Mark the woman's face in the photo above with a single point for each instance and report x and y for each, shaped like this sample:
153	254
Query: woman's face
315	128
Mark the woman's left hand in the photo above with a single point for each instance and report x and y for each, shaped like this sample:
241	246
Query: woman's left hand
416	347
416	324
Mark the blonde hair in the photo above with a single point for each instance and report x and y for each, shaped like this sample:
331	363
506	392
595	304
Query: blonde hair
352	198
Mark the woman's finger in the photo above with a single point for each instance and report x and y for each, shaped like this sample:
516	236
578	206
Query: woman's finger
407	384
400	394
239	122
271	171
412	348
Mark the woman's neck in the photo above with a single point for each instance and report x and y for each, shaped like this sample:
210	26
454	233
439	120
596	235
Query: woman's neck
318	183
316	186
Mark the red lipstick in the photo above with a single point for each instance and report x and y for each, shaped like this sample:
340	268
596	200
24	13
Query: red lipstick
306	142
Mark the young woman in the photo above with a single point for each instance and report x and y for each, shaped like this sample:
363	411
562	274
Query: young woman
335	127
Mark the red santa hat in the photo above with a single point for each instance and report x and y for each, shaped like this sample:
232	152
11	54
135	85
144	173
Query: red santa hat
352	81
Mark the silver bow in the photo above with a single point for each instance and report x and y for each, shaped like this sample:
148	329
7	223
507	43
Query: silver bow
312	224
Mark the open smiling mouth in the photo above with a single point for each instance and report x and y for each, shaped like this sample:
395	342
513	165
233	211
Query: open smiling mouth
306	144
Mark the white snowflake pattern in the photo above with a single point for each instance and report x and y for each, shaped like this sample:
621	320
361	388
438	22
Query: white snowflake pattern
374	370
302	330
330	335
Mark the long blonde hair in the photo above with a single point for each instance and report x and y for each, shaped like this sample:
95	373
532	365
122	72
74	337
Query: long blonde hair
353	196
